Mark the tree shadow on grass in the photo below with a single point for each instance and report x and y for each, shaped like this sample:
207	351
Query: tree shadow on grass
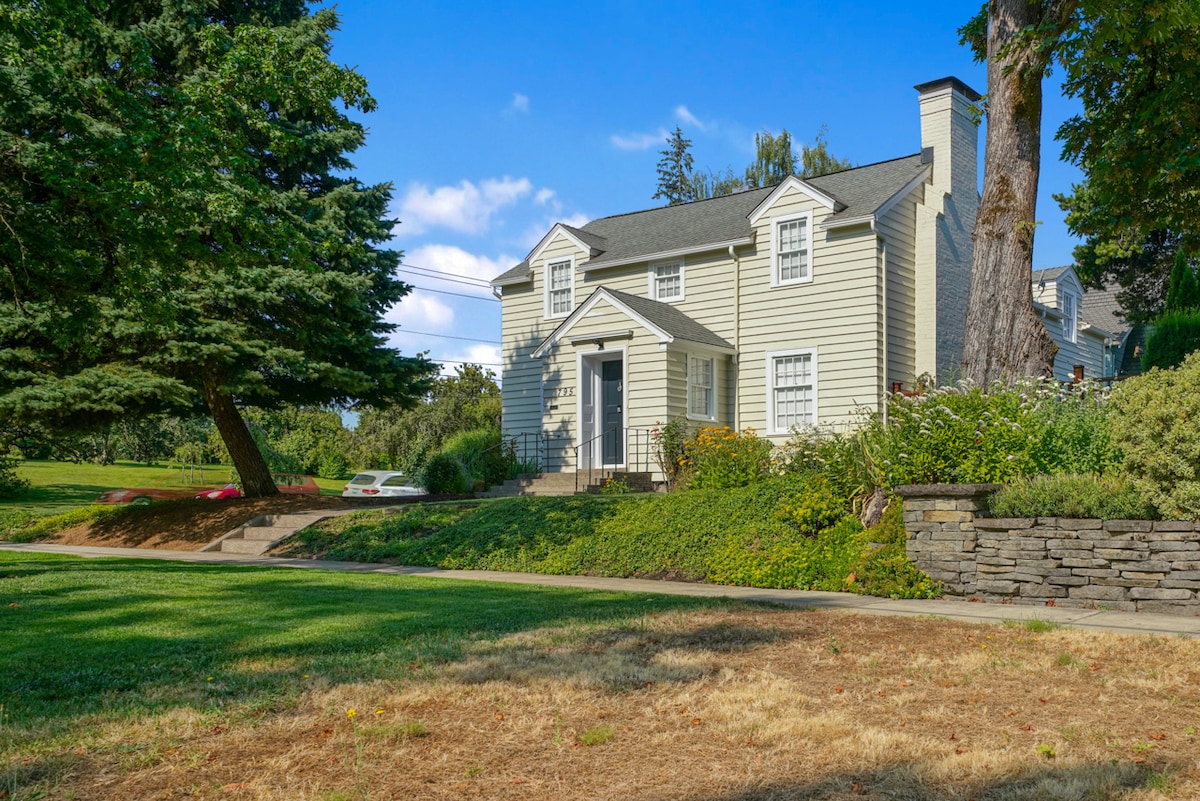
87	635
907	780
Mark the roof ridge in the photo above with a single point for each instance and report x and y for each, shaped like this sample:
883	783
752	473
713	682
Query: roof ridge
753	189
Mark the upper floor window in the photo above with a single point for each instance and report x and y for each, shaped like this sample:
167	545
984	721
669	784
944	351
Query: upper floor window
666	281
791	250
560	288
1070	320
700	388
791	390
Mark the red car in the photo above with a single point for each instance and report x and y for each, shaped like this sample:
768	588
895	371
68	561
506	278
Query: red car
291	483
288	483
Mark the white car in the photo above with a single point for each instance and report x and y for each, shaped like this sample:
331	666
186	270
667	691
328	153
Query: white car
380	484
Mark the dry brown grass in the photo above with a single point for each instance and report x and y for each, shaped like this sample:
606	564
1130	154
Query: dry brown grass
720	706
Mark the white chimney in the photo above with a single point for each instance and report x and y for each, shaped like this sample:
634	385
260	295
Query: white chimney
946	222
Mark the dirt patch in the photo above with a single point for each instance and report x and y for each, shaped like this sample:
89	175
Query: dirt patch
189	525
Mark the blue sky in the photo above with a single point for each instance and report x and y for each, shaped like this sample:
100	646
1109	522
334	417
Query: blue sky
497	120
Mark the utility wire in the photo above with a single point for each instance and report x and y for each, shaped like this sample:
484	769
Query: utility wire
445	336
455	280
465	361
456	294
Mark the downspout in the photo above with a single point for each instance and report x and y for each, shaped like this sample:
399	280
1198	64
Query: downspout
883	284
737	322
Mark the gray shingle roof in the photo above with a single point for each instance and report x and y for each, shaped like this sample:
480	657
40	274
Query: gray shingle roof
1100	308
515	275
669	319
688	226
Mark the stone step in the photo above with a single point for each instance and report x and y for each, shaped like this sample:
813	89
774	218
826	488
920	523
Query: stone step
253	547
270	533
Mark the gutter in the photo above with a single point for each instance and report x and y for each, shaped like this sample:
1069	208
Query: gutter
883	296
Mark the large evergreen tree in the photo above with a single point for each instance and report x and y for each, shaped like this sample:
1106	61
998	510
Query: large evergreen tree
177	235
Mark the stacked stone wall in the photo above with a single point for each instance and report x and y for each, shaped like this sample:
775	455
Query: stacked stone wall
1132	565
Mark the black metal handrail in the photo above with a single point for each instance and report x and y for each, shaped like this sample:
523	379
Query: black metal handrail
638	457
527	452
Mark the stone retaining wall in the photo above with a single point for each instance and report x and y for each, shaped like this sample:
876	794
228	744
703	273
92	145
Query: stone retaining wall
1132	565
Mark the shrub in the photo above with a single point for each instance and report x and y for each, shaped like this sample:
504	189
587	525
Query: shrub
1109	497
1155	428
788	559
721	458
1175	336
480	454
669	441
11	485
443	475
332	463
885	570
813	508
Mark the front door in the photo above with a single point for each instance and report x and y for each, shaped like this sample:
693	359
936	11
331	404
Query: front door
612	412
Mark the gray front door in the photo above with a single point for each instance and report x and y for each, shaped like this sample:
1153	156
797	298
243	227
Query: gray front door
612	414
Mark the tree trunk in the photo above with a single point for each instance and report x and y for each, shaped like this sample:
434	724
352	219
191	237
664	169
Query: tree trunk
1004	339
243	450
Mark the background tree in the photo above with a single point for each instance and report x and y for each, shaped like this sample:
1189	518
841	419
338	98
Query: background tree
178	234
774	161
404	439
1114	140
1141	274
1183	291
675	170
1004	337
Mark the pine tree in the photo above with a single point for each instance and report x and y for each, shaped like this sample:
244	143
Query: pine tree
1183	290
675	171
181	233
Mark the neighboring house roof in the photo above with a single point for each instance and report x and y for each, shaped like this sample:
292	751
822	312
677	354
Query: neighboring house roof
1100	308
663	320
1050	273
720	221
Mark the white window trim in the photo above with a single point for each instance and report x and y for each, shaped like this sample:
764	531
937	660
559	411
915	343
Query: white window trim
652	282
771	356
712	390
546	288
1071	320
807	216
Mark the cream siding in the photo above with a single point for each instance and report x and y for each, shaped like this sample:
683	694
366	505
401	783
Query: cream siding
1088	347
837	313
898	229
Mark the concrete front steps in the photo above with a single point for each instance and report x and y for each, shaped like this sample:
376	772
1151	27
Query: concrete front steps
259	534
565	484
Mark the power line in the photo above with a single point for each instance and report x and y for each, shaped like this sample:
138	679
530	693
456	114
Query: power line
406	266
471	282
446	336
465	361
456	294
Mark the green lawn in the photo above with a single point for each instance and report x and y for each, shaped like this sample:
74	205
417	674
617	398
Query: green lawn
123	638
58	486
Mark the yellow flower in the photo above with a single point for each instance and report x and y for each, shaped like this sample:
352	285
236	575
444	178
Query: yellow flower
351	712
378	711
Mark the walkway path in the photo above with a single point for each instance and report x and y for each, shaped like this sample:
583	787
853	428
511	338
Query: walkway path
1122	622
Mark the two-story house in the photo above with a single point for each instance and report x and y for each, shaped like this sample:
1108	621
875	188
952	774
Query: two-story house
774	309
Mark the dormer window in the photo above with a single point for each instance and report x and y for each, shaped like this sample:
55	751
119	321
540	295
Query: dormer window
560	288
791	250
666	281
1070	321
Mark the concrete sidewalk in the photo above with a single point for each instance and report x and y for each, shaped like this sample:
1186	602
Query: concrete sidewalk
1096	620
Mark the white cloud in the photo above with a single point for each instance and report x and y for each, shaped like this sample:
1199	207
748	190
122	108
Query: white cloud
534	233
419	311
683	115
544	196
466	208
487	355
456	261
638	141
575	220
520	103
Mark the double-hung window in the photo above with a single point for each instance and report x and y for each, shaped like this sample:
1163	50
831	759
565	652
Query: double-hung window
666	281
791	390
1070	322
700	388
791	250
560	288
